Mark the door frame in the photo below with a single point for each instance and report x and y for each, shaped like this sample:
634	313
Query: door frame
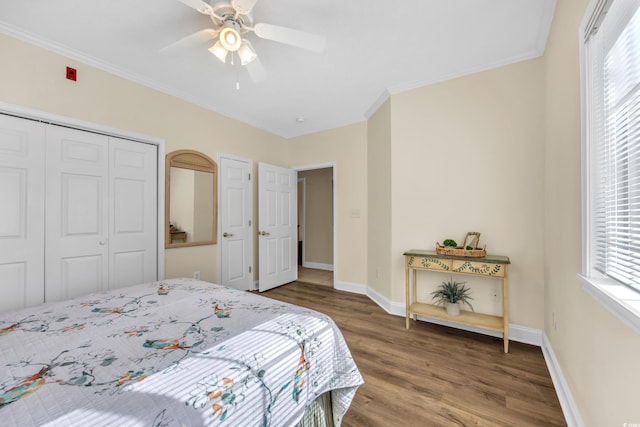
54	119
334	166
254	219
301	221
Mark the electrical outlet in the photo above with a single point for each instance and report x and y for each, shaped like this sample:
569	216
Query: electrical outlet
196	275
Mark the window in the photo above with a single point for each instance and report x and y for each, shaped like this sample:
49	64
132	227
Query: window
611	156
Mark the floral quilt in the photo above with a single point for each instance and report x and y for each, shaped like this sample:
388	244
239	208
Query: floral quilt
178	352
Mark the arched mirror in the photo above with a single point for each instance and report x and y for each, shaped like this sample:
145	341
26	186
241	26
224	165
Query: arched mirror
191	202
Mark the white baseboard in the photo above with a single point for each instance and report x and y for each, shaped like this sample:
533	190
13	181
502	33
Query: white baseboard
525	335
517	333
317	265
569	408
354	288
386	304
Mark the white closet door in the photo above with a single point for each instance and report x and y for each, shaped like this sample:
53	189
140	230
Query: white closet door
134	213
77	201
21	213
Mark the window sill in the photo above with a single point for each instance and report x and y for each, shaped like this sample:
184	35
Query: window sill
620	300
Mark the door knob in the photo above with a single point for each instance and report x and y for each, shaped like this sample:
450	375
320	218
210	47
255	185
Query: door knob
264	233
103	242
225	234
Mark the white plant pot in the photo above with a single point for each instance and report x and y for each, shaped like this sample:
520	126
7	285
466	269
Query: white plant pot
453	309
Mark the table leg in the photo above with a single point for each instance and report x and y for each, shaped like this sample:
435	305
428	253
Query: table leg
406	293
505	311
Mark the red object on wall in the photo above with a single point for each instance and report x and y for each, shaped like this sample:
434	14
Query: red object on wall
71	73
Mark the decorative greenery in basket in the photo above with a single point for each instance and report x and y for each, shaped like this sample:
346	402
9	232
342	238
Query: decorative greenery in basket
468	249
451	292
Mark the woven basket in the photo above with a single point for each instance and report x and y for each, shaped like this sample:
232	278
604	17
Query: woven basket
460	251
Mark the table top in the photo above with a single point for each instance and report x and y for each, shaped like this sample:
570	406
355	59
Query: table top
496	259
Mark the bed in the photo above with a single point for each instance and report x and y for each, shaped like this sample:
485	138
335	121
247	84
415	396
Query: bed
178	352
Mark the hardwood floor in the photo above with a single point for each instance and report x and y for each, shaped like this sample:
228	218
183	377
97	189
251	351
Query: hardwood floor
315	276
432	375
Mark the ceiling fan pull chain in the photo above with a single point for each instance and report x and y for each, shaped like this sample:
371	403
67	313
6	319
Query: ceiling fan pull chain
237	78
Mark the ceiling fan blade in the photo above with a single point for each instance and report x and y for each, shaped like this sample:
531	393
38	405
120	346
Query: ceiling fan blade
256	71
297	38
200	37
198	5
243	6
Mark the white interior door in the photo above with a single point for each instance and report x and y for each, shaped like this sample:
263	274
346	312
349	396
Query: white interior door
236	210
133	219
278	219
21	213
76	255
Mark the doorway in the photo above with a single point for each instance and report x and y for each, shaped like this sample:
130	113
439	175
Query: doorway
314	270
316	224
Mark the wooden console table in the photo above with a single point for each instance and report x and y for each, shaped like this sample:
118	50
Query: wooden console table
490	266
178	235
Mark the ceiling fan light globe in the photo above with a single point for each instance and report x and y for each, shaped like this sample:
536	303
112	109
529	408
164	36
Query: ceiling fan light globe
219	51
230	37
246	52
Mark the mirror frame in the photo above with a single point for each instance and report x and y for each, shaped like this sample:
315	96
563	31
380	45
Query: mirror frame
193	160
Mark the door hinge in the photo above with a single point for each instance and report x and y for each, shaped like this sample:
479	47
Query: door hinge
249	176
249	269
249	223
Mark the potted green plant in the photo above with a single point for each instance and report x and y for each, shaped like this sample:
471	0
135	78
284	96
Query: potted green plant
451	294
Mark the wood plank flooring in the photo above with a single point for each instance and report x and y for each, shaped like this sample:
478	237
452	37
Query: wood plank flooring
315	276
432	375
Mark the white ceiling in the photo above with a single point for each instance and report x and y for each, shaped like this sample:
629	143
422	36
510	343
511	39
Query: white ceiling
374	48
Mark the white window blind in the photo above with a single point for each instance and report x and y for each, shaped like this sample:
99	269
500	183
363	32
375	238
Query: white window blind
612	50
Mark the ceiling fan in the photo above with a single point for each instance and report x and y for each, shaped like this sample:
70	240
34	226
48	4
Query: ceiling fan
231	21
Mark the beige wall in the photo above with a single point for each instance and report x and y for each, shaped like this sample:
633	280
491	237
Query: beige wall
379	201
346	147
597	353
467	155
35	78
318	216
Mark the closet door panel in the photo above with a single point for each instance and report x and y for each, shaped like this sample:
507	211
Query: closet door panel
129	268
82	207
134	213
13	186
77	203
21	213
81	275
13	286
